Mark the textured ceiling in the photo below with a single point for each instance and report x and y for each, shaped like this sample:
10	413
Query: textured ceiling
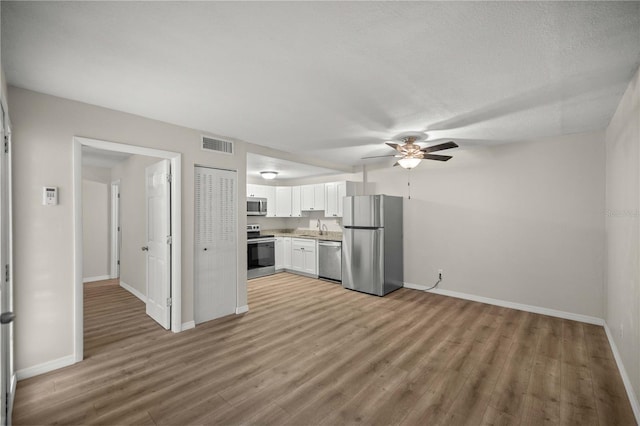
101	158
334	79
286	169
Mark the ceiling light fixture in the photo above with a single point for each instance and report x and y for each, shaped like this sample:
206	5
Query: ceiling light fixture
409	162
268	175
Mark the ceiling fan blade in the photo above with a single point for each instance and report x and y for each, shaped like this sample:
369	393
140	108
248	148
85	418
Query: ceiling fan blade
396	146
434	148
396	164
437	157
380	156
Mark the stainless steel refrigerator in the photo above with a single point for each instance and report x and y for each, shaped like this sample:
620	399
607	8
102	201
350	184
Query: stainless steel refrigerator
372	258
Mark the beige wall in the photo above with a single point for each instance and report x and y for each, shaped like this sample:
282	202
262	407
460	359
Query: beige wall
622	284
133	219
44	127
520	223
95	230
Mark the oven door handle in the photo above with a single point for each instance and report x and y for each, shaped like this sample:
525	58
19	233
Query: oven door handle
260	240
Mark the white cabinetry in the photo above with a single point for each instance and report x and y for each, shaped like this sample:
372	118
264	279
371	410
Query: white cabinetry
334	194
287	201
283	253
253	190
303	256
312	197
283	201
286	243
279	255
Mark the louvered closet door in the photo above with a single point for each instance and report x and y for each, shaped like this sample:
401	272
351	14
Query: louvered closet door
216	245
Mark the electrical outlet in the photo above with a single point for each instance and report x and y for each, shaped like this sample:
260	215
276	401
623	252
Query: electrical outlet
440	273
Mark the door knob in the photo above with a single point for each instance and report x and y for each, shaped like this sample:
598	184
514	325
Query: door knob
7	317
145	248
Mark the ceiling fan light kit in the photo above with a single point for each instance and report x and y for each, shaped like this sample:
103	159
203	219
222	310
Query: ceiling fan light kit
411	154
409	162
268	175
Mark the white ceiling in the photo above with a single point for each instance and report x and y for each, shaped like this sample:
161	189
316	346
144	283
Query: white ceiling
100	158
333	80
286	169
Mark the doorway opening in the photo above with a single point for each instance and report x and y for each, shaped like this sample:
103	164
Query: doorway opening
160	236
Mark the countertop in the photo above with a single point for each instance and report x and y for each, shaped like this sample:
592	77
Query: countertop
314	235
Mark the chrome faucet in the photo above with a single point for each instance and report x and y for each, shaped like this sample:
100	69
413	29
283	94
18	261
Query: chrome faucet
319	227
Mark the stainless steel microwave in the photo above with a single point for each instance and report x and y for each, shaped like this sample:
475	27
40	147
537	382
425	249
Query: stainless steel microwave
256	206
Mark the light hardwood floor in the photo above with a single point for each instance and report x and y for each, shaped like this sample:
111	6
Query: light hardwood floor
309	352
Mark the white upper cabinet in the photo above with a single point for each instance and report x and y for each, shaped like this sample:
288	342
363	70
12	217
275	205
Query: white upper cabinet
283	201
312	197
288	201
253	190
334	195
270	195
295	202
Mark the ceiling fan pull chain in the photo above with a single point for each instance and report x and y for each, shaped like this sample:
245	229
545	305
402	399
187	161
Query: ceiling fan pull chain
409	182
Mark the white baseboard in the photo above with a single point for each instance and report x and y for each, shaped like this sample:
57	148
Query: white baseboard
98	278
188	325
633	399
242	309
513	305
133	291
45	367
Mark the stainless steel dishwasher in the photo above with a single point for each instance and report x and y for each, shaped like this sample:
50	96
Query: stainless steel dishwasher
330	260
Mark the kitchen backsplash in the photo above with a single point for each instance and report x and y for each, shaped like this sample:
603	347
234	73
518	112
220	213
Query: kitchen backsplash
306	222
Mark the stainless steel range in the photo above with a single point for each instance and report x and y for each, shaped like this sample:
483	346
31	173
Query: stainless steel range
261	253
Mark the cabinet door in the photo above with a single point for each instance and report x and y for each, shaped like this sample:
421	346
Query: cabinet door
283	201
309	254
279	253
287	252
331	199
297	257
318	196
295	202
307	197
269	192
341	192
252	190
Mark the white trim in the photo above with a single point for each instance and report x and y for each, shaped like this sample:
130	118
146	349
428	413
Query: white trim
188	325
12	395
45	367
115	224
176	230
633	399
513	305
242	309
133	291
96	278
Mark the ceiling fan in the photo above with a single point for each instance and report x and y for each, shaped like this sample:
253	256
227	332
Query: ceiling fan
411	154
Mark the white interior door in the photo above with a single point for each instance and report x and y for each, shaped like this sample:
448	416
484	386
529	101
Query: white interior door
158	246
216	230
6	293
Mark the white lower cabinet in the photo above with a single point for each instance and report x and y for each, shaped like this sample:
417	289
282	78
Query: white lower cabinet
303	256
283	253
279	254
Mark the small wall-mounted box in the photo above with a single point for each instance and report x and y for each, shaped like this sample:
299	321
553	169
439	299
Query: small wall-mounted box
49	196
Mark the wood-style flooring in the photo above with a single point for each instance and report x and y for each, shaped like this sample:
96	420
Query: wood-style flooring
309	352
